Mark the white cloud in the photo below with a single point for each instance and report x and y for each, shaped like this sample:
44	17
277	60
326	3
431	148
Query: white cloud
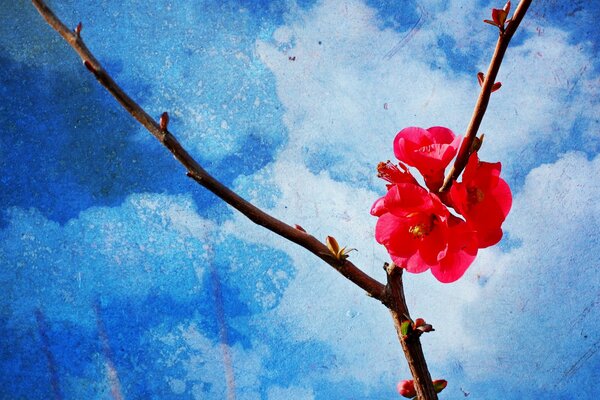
149	242
535	314
213	371
319	304
334	94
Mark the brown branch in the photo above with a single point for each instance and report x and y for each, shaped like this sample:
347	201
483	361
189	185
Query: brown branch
195	171
484	95
411	344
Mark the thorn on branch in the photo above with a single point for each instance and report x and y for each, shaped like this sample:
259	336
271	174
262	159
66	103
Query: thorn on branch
164	121
77	29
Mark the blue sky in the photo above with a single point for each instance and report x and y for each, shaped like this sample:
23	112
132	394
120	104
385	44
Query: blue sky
122	278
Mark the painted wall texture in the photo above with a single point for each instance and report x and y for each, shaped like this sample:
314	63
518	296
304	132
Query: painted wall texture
122	279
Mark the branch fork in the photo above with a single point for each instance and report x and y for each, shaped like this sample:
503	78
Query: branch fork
391	294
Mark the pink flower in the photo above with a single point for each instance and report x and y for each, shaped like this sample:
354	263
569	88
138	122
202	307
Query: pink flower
412	226
392	174
418	231
483	198
415	225
428	150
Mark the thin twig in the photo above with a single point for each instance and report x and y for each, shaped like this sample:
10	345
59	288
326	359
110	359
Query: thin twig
195	171
484	96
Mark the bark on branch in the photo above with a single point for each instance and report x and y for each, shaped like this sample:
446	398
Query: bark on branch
195	171
411	344
484	96
392	294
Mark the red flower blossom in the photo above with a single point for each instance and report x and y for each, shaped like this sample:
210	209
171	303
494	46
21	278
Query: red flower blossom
392	174
412	226
428	150
416	227
418	231
483	198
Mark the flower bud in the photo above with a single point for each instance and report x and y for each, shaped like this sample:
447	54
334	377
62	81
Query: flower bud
439	385
480	78
405	328
407	389
340	253
299	228
164	121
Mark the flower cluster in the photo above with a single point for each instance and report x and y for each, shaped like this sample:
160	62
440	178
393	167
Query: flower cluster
416	225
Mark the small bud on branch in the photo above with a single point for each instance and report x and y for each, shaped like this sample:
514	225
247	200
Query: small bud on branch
77	29
407	389
341	254
418	327
299	228
499	17
164	121
481	79
477	143
439	385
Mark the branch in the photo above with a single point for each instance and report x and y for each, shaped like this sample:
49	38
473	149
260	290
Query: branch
195	171
411	344
484	95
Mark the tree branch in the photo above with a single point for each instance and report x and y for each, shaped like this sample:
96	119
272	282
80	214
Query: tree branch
411	344
484	95
195	171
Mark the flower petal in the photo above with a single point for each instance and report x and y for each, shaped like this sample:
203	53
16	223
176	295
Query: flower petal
462	250
378	208
406	198
440	134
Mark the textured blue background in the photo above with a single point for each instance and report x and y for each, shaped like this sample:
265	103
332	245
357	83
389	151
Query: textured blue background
121	278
